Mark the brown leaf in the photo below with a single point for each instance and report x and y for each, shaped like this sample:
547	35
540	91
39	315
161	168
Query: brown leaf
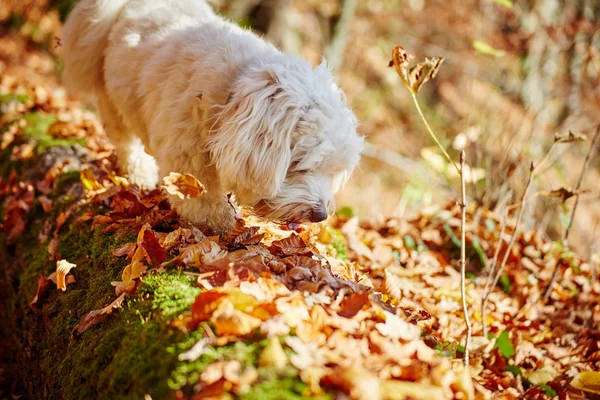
391	287
174	238
131	274
563	193
95	317
124	250
352	304
200	253
46	203
183	186
44	284
291	245
570	137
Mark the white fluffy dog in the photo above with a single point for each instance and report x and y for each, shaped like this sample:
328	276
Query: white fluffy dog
180	89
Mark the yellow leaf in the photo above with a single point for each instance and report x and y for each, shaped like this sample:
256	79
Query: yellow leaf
543	375
273	355
400	390
89	180
588	381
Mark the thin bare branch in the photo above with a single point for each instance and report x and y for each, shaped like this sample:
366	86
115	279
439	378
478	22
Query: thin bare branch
516	230
488	282
463	263
565	240
497	274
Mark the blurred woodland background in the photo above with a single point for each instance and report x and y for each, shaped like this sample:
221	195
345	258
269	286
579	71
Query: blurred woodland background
514	75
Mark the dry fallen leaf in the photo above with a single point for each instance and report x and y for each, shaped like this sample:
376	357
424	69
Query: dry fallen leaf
353	303
95	317
147	241
563	193
184	186
62	269
89	180
292	245
587	381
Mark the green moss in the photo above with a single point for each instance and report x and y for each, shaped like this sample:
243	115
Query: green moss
37	127
10	97
338	243
171	294
66	179
188	373
275	385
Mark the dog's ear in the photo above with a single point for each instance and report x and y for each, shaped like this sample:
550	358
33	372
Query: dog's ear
251	143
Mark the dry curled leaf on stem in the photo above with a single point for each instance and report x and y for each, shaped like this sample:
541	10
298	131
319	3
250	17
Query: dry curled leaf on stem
564	193
413	77
570	137
184	186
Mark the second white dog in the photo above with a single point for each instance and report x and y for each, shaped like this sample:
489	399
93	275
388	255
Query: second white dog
180	89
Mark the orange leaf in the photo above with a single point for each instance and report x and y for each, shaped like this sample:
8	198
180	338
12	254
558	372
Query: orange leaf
352	304
204	305
183	186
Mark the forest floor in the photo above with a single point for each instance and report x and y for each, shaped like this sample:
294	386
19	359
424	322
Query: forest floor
349	308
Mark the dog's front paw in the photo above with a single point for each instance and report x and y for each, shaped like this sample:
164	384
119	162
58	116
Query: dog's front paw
142	170
215	215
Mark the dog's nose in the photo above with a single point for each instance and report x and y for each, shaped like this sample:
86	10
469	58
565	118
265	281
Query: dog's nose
318	215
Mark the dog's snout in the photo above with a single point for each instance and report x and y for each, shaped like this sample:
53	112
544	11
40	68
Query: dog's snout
318	215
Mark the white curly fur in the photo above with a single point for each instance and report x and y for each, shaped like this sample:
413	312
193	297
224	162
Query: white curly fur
180	89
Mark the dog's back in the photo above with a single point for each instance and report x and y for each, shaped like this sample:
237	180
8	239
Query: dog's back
84	39
87	33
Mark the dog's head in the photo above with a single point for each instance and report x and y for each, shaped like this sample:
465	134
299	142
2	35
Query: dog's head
286	140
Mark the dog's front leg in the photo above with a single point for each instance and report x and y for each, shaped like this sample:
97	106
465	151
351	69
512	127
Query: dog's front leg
213	209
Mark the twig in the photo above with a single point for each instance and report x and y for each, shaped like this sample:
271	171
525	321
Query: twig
497	274
488	282
565	240
433	136
463	256
516	230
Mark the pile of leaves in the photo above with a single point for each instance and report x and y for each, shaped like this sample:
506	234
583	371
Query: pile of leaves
370	309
